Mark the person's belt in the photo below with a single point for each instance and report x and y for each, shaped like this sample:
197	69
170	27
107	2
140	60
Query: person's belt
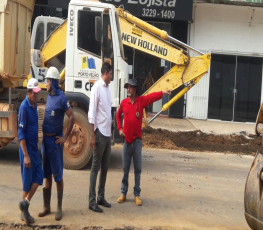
49	134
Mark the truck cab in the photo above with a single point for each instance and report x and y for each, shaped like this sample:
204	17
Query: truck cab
42	28
93	37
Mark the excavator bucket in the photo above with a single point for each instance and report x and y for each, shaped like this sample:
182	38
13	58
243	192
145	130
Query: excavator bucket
254	186
254	194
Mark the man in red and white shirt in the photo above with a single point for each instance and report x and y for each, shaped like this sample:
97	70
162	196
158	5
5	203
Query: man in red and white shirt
132	107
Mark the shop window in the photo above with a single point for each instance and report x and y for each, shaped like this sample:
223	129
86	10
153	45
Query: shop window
86	32
222	80
235	88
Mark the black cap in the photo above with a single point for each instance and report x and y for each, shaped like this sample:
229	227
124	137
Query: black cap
131	82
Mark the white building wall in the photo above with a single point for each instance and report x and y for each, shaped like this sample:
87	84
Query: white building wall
227	29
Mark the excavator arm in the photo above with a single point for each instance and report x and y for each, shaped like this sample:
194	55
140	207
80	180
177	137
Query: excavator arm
55	43
142	36
187	70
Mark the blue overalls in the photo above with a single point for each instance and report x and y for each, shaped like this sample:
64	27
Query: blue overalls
28	130
56	107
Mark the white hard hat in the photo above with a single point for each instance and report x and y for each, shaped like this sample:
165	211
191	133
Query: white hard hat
33	84
53	73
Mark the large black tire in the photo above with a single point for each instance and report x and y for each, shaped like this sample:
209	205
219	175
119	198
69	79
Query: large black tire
77	147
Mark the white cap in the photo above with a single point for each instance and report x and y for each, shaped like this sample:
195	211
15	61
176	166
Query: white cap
53	73
33	84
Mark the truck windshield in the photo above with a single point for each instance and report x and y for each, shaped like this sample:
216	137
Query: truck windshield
119	35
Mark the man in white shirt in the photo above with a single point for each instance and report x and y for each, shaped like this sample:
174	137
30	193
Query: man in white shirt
100	140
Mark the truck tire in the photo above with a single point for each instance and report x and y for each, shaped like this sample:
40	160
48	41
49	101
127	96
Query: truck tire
77	147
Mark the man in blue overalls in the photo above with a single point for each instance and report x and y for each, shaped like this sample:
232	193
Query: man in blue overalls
31	167
53	140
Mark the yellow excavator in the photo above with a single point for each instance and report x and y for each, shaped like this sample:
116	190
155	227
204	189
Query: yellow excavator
93	33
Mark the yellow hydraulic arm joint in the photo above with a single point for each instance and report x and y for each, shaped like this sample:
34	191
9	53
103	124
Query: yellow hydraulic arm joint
178	76
167	105
55	44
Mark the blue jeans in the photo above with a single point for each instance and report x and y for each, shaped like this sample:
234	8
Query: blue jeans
129	151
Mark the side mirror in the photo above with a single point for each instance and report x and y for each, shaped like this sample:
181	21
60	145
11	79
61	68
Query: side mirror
98	28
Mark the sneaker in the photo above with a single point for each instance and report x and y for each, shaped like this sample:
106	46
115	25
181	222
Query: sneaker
121	199
138	201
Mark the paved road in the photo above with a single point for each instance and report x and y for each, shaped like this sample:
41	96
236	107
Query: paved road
181	190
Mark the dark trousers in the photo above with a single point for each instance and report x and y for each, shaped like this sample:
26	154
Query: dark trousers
100	160
129	151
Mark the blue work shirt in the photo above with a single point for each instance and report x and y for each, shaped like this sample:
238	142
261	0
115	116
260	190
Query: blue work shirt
28	125
56	107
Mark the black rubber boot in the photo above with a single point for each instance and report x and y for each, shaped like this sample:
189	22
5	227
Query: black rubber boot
24	205
31	218
59	207
46	201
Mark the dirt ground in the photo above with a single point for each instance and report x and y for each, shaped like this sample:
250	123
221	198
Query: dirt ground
180	190
187	170
241	143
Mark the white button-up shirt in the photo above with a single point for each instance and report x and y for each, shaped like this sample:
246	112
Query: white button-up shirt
100	108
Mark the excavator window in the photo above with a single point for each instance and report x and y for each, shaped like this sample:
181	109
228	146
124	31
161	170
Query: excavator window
39	40
86	32
51	26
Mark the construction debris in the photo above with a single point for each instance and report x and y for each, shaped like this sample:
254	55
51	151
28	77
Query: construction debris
242	142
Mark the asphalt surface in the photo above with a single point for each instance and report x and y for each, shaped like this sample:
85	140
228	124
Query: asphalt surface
180	190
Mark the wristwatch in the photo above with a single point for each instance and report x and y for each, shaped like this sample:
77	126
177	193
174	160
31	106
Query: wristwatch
163	91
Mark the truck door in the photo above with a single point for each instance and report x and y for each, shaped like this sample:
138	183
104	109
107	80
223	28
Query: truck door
87	50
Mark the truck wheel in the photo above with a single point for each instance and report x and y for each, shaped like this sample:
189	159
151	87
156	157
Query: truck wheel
77	147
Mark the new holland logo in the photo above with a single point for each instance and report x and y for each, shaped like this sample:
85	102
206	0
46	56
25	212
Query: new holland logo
88	63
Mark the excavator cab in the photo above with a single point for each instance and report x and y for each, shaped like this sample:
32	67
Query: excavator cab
253	197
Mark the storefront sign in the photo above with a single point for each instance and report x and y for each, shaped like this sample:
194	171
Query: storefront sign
165	9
